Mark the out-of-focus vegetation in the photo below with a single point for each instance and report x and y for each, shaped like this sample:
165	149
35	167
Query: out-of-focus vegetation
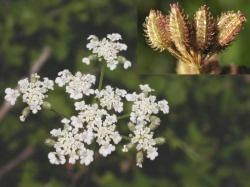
150	61
208	142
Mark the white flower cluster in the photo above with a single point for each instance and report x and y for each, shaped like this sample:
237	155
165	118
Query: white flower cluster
96	124
111	99
107	49
11	95
70	143
143	139
144	105
33	93
92	123
77	85
143	122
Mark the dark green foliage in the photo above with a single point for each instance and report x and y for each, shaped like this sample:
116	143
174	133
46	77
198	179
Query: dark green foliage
208	143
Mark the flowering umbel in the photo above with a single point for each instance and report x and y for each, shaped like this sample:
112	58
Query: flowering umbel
33	91
192	42
100	112
107	50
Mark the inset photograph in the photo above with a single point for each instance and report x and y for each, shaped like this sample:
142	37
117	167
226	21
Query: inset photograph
81	107
201	37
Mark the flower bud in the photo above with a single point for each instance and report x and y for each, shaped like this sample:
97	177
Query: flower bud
46	105
139	159
153	126
34	77
127	147
160	140
130	145
25	114
50	142
131	126
155	120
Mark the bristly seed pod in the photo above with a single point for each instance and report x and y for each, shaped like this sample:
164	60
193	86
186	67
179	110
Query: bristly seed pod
192	44
179	29
204	26
157	30
229	25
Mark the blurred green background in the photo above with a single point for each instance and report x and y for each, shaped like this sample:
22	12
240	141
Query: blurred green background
150	61
208	142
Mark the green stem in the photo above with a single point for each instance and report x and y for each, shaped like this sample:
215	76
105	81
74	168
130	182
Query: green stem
47	106
101	77
125	138
123	116
57	113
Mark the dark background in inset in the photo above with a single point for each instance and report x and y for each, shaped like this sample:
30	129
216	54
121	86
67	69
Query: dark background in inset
207	128
150	61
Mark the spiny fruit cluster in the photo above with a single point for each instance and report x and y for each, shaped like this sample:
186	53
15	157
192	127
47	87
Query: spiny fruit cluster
192	42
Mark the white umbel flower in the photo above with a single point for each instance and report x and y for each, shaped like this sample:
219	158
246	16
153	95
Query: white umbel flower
142	138
111	98
77	85
91	124
145	88
106	149
152	153
163	106
114	37
80	105
127	64
63	78
96	124
69	145
56	159
33	91
80	85
145	105
143	122
11	95
107	49
86	156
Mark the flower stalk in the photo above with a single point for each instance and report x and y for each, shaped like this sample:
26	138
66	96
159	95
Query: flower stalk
101	77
